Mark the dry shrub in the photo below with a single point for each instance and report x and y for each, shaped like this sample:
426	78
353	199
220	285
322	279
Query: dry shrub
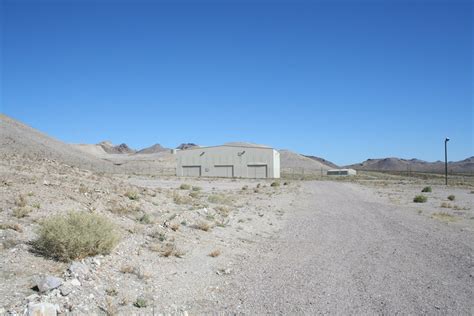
215	253
194	194
167	250
196	188
175	227
15	227
21	212
75	235
21	201
116	207
446	205
222	210
203	226
181	199
220	199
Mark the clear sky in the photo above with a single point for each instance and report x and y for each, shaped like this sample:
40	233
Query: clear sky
344	80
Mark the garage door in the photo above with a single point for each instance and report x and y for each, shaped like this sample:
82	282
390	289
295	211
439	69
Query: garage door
224	171
257	171
191	171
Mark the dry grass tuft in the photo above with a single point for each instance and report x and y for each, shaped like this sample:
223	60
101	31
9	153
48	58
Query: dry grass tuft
445	217
204	226
222	210
446	205
132	195
15	227
220	199
167	250
215	253
75	235
118	208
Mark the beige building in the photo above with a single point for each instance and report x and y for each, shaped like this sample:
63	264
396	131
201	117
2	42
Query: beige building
229	161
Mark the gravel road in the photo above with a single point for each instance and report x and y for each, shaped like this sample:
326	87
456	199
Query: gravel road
346	251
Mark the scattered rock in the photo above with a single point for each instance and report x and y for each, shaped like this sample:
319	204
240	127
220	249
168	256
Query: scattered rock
79	270
48	283
42	309
31	298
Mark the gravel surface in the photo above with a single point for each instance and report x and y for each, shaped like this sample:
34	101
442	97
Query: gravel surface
345	250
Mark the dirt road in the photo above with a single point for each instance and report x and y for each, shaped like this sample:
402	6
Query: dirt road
345	251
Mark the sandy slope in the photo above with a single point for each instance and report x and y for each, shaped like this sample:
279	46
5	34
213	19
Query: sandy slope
19	139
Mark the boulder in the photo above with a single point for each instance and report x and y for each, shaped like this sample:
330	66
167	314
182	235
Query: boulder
48	283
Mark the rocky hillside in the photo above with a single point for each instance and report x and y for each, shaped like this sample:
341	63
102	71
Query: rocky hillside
186	146
119	149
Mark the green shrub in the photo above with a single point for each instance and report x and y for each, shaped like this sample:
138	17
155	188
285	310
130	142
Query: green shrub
145	219
75	235
140	303
420	199
185	186
426	189
196	188
275	184
451	197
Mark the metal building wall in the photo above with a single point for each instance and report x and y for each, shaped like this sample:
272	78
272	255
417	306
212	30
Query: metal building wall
228	161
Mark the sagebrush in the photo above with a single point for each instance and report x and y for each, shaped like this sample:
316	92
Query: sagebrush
76	235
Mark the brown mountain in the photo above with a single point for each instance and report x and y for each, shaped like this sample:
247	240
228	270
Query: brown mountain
119	149
157	148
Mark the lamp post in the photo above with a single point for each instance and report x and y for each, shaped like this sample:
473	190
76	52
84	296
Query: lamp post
446	140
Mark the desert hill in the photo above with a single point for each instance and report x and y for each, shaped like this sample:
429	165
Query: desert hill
18	139
157	148
323	161
291	161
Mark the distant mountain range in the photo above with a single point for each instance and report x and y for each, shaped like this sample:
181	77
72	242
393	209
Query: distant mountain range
17	138
415	165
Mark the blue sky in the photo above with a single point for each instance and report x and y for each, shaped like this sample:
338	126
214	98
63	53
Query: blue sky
344	80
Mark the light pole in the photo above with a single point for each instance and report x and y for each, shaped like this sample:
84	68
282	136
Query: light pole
446	140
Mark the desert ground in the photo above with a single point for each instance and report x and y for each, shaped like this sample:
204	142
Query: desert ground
241	246
303	244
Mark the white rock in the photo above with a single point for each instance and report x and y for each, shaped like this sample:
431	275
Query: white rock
75	282
42	309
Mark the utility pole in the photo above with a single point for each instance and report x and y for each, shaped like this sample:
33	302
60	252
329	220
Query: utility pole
446	140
